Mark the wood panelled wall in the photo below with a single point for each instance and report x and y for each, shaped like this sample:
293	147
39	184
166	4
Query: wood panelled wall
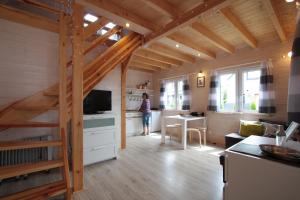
220	124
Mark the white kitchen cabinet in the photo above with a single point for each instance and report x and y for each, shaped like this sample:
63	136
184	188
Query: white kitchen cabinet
99	138
134	126
155	121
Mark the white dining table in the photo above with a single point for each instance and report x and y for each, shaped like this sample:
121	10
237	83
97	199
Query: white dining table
183	121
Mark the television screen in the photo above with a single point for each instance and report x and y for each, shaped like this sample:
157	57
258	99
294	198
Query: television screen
97	101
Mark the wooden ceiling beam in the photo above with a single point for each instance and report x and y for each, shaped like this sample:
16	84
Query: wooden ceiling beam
170	52
41	5
94	27
239	26
164	7
101	39
184	19
185	41
212	37
28	19
274	16
150	62
119	11
143	66
157	57
139	69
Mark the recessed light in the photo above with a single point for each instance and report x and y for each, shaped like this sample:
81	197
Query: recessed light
177	45
289	1
199	54
290	54
127	25
110	25
90	18
85	24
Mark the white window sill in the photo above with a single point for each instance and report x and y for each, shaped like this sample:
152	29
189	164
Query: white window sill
242	113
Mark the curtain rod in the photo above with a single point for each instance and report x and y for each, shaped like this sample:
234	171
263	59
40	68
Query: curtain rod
221	68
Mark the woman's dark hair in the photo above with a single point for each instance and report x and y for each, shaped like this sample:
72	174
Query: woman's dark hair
146	95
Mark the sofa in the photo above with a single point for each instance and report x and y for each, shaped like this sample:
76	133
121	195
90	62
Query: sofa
234	138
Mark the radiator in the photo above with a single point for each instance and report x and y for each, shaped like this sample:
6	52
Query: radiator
23	156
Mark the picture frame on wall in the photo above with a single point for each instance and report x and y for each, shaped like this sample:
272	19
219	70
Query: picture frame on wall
201	81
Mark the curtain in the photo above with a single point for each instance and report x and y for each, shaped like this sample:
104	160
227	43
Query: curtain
212	97
294	80
162	95
186	95
266	91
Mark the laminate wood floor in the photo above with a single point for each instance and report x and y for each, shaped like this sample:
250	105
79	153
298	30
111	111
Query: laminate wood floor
147	170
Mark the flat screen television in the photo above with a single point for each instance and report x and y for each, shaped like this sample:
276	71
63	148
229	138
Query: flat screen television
97	101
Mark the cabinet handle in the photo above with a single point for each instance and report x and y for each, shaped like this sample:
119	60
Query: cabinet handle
96	148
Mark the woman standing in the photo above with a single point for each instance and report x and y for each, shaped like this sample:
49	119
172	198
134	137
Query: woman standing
145	109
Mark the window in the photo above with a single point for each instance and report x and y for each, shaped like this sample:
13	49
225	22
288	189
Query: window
173	97
239	90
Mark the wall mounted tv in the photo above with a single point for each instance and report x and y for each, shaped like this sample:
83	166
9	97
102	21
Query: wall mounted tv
97	101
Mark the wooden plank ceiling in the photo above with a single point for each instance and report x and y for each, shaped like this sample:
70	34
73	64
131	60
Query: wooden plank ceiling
175	35
178	32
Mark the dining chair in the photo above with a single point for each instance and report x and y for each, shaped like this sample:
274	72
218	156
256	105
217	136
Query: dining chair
172	127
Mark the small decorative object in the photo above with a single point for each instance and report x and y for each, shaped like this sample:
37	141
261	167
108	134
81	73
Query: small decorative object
201	81
280	152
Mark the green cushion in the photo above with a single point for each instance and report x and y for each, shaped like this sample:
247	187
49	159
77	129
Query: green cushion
247	129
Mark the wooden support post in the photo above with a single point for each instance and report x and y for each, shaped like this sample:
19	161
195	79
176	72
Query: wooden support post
123	103
63	71
77	97
63	34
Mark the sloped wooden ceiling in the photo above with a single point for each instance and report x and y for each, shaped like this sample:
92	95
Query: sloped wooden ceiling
236	24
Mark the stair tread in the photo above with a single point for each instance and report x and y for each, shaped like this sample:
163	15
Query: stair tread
12	145
48	190
51	93
37	107
16	170
28	125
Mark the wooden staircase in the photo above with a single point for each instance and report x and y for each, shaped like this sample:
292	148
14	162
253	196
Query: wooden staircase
43	191
93	72
59	97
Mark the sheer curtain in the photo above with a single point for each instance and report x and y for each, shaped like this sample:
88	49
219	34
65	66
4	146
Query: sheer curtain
186	105
213	89
266	90
162	95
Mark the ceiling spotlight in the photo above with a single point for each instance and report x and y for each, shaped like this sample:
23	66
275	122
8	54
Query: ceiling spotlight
91	18
290	54
289	1
127	25
177	45
199	54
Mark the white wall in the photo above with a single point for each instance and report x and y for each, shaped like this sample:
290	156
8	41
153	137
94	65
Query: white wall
112	82
28	63
135	78
28	60
221	124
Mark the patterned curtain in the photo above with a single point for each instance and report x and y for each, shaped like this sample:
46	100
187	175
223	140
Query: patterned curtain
162	95
186	95
212	97
266	91
294	80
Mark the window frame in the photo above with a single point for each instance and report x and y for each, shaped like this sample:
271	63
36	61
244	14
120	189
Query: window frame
176	81
239	88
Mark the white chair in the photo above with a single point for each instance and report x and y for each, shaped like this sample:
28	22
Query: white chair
199	130
190	132
172	126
